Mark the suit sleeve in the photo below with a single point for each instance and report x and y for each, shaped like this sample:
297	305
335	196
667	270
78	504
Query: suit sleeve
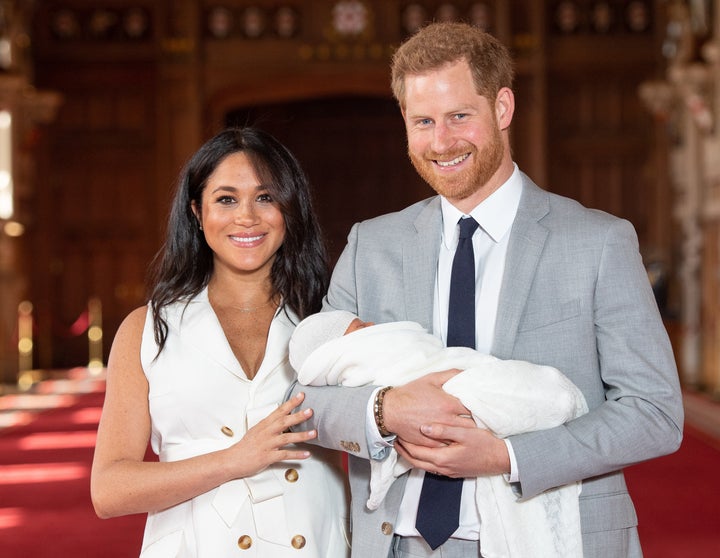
641	414
339	412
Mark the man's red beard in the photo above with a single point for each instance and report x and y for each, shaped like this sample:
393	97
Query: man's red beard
465	183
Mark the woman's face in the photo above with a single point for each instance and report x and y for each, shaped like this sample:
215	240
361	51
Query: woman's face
242	223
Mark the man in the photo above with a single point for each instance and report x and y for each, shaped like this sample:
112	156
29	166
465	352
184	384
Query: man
556	284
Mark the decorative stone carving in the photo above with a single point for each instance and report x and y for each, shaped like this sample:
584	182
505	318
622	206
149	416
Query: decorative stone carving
689	98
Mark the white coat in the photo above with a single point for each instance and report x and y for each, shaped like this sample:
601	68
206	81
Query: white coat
200	401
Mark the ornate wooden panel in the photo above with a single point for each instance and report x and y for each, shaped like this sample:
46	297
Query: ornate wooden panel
98	203
600	137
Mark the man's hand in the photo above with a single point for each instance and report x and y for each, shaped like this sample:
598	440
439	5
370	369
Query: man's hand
423	401
461	451
436	432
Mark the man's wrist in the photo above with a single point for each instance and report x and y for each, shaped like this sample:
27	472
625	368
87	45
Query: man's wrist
379	411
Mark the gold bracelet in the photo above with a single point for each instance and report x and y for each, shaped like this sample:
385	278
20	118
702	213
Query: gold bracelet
378	411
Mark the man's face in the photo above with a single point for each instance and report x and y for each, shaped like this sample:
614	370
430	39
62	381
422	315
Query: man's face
454	140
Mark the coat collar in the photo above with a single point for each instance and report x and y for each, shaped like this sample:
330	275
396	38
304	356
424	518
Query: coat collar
198	326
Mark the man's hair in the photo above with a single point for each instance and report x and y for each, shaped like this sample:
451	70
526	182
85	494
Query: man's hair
440	44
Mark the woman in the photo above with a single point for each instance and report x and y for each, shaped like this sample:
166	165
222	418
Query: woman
201	372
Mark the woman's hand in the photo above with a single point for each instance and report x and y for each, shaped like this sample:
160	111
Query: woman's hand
266	442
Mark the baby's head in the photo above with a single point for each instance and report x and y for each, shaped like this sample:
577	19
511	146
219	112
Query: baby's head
318	329
356	324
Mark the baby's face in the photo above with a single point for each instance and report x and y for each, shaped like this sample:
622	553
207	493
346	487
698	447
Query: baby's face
356	324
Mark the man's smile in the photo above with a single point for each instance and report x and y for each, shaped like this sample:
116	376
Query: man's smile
453	162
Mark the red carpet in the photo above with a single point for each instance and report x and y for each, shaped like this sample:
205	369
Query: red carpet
45	508
678	500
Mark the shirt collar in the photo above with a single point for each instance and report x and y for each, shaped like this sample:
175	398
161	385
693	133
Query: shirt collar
495	214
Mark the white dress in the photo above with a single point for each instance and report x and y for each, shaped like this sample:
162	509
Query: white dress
200	401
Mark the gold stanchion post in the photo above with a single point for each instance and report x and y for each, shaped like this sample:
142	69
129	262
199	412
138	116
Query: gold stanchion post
26	374
95	336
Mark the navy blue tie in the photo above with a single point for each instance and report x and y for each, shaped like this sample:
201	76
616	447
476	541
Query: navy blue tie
439	507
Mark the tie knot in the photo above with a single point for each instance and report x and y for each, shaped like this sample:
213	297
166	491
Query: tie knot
467	227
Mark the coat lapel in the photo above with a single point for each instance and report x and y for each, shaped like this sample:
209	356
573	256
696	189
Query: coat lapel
276	347
199	327
527	239
420	256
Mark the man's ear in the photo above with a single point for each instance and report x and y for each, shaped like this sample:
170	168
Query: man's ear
504	107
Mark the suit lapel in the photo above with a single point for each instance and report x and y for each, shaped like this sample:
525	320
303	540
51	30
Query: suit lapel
527	239
420	256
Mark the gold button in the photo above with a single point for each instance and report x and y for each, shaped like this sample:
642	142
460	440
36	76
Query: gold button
298	541
291	475
245	542
386	528
227	431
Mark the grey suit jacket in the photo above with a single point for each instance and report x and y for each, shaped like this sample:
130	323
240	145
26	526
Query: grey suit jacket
575	296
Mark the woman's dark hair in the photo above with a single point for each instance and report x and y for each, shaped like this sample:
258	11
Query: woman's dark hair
182	268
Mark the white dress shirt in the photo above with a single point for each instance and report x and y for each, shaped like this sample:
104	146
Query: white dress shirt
495	216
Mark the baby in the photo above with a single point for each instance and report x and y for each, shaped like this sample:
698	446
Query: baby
504	396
